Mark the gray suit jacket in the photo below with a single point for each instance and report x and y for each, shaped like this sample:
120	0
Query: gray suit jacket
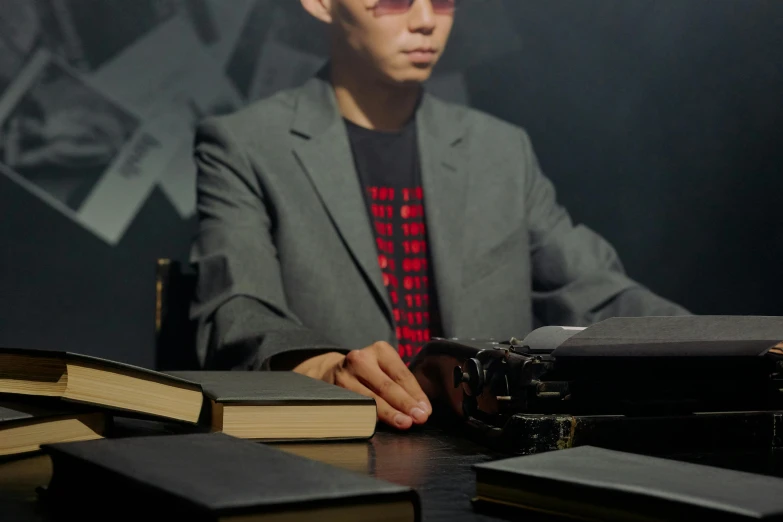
286	258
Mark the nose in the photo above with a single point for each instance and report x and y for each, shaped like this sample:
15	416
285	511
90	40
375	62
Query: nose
422	17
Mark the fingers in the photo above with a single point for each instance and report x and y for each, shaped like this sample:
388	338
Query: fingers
364	364
390	362
386	413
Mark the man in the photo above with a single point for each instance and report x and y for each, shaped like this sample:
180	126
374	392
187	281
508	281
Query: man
346	222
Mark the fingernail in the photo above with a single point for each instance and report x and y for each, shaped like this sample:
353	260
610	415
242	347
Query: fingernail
418	414
401	420
424	406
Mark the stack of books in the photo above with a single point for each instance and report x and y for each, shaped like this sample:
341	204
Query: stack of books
67	405
49	396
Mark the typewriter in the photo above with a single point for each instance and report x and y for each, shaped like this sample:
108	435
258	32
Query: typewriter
623	379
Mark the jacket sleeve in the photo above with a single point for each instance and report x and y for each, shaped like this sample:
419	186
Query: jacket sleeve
578	278
240	307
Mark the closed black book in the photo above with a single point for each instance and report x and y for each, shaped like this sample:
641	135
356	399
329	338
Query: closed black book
213	476
282	406
700	336
592	483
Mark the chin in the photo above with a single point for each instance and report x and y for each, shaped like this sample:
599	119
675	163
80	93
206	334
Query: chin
411	75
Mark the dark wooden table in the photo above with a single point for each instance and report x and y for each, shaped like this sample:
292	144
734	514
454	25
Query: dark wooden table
436	461
431	460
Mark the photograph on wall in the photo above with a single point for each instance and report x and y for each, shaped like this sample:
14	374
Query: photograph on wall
280	67
271	55
88	34
228	25
58	134
20	33
184	79
157	67
182	84
204	99
241	64
78	149
295	27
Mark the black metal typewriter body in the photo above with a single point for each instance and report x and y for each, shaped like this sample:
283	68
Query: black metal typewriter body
529	380
525	380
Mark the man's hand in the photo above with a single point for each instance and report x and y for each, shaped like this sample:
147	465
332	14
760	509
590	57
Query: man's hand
378	372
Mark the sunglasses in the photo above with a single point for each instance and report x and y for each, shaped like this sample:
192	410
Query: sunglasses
392	7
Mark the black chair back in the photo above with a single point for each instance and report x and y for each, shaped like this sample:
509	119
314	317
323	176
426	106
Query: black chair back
175	332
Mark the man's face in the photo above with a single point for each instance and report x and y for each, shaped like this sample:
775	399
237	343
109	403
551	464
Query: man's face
400	43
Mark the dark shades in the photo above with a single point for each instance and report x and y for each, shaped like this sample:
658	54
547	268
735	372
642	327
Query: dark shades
388	7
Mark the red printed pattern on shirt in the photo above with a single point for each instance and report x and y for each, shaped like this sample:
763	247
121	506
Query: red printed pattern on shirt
400	235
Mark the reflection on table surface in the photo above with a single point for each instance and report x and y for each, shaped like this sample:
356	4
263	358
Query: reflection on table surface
428	459
435	461
19	479
354	456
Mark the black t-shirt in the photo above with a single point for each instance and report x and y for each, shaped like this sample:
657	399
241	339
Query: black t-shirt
390	175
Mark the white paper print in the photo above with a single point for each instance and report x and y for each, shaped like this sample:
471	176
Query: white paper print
80	150
281	67
229	23
170	71
178	180
90	34
155	67
20	30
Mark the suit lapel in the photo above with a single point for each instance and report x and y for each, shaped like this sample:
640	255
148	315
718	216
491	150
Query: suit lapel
325	154
445	185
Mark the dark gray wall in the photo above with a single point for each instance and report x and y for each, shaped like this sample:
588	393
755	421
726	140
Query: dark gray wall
659	121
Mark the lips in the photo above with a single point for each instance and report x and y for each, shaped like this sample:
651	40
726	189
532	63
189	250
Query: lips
423	55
